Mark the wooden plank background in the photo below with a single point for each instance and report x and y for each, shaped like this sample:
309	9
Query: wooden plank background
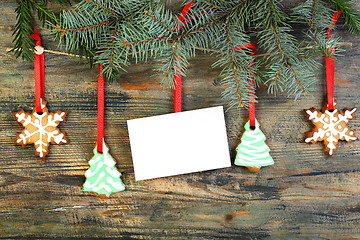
305	195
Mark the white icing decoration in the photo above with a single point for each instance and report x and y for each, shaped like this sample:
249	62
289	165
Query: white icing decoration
52	121
330	127
102	176
42	103
253	152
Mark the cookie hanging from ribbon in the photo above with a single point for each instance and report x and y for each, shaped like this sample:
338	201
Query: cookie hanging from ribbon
102	177
40	126
330	127
41	129
330	124
252	152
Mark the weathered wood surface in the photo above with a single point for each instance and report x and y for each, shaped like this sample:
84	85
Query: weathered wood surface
305	195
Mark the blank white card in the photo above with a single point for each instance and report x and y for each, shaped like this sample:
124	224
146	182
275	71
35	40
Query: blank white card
179	143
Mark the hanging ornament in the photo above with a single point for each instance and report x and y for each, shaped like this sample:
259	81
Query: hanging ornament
252	152
102	177
330	125
40	126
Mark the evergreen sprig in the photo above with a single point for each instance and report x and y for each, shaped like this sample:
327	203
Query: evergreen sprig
23	43
237	64
289	66
352	16
316	15
119	32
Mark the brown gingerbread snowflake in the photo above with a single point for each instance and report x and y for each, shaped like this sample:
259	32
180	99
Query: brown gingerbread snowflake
330	127
40	129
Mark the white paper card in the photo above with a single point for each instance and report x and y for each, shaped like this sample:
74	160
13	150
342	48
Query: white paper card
179	143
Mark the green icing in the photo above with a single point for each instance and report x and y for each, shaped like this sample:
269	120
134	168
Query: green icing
253	151
102	177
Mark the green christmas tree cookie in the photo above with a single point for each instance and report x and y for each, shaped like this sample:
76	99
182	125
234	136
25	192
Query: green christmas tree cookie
102	177
252	152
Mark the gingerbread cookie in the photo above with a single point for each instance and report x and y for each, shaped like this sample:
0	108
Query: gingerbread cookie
330	127
102	177
252	152
40	129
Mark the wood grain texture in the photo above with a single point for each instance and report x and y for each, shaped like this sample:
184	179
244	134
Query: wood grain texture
305	195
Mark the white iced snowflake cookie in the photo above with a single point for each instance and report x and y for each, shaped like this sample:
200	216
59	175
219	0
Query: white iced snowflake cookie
330	127
40	129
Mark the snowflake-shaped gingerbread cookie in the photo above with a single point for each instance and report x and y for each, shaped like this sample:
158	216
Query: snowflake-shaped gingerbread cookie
330	127
40	129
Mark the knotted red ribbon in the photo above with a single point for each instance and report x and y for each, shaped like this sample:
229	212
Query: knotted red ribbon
101	110
330	67
177	76
39	71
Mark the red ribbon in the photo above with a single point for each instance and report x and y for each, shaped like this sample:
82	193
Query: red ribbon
177	93
39	73
252	115
185	11
330	67
177	76
101	110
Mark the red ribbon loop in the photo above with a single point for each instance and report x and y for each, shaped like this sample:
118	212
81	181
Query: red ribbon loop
39	73
252	115
101	110
330	67
36	37
184	12
178	76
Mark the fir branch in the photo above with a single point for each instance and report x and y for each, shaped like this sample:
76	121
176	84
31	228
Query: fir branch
320	16
160	22
314	13
58	28
90	22
23	43
235	61
284	54
235	80
200	28
65	2
210	2
174	62
137	30
215	21
304	90
111	49
313	9
352	16
43	12
127	44
100	6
